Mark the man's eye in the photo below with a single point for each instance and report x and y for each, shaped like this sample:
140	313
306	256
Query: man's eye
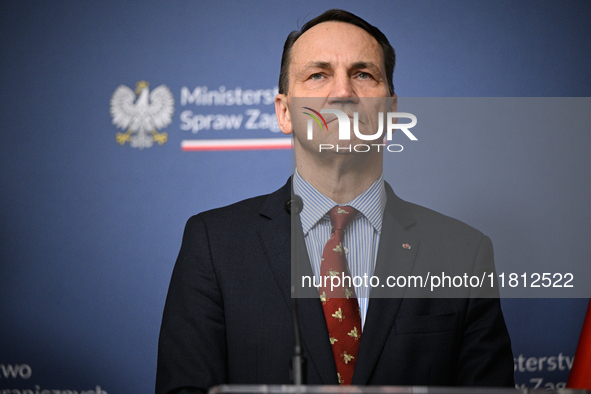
316	76
364	75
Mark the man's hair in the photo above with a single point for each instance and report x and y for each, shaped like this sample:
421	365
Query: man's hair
337	16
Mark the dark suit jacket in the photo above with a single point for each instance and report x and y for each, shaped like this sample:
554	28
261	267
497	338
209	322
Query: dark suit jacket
228	319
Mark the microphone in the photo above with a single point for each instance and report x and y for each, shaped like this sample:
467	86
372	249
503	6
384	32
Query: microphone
298	362
294	204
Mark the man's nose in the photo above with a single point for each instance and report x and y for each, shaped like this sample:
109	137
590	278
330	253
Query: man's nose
343	90
342	86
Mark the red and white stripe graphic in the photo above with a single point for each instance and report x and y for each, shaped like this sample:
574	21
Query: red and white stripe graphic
236	144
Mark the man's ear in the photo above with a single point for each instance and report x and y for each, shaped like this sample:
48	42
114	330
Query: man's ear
283	114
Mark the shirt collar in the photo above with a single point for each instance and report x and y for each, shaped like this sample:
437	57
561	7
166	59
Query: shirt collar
370	203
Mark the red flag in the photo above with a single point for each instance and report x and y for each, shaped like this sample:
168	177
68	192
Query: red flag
580	374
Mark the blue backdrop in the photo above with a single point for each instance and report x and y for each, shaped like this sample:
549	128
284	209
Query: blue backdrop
90	228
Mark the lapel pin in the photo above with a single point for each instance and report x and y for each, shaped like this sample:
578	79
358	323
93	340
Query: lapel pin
406	246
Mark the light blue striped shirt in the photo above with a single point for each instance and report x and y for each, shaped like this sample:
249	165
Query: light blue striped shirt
362	237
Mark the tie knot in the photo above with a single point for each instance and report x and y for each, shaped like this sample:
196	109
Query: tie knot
341	217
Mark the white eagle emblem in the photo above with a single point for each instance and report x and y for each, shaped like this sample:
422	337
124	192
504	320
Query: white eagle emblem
142	117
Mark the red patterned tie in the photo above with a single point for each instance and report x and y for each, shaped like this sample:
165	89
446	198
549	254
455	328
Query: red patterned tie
341	309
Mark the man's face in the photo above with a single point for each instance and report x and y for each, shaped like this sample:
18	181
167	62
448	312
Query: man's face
336	61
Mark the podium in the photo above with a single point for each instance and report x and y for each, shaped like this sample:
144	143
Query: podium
291	389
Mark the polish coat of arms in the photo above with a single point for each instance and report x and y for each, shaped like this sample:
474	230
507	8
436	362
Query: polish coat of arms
141	114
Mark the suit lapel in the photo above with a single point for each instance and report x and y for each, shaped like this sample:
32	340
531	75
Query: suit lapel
276	236
393	259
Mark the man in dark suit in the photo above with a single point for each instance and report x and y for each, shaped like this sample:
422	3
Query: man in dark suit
228	316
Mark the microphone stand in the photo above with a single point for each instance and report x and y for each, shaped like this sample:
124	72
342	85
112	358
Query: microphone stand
298	362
